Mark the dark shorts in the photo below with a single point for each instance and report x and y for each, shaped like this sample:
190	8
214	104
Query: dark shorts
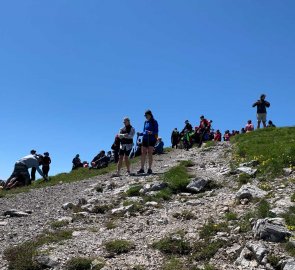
124	152
148	143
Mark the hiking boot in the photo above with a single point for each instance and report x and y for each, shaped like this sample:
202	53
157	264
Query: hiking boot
149	171
141	171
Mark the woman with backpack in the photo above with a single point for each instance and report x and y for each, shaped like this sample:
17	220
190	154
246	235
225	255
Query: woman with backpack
150	136
126	135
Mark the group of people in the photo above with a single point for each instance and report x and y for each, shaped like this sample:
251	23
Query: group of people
21	176
205	132
147	144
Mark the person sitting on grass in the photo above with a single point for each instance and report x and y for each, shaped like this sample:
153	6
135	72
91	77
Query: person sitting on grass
249	127
77	162
100	161
270	124
21	169
159	147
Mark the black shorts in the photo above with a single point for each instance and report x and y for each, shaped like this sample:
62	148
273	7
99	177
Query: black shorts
148	143
125	152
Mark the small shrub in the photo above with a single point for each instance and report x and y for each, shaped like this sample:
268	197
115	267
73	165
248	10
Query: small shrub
138	267
211	228
204	251
101	209
162	195
293	197
184	215
231	216
263	209
289	247
99	188
119	246
169	245
133	191
265	186
187	163
274	261
244	179
110	225
290	217
245	224
59	224
78	263
173	264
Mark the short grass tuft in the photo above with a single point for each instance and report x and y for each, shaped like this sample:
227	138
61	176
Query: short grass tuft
119	246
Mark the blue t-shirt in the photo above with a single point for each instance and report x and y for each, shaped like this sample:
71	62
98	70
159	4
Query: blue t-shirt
151	125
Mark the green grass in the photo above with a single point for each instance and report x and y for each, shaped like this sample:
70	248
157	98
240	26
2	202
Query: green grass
184	215
204	251
274	148
133	191
290	248
119	246
290	218
231	216
178	177
293	197
211	228
59	224
174	264
21	257
82	263
168	245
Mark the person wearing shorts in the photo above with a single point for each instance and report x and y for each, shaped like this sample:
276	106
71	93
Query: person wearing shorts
150	135
261	105
126	135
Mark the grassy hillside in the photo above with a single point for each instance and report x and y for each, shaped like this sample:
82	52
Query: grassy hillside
274	148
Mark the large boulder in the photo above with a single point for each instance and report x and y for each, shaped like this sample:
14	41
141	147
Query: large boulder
271	229
249	192
197	185
282	206
46	261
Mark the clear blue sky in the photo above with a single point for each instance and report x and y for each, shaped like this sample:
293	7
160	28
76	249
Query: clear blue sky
71	70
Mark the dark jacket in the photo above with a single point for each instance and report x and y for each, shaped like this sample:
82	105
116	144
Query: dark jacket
151	125
261	106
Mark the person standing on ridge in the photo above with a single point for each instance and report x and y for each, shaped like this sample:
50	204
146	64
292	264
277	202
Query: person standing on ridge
150	136
175	138
126	135
33	170
261	105
46	164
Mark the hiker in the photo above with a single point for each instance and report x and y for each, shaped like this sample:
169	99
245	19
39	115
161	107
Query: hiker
150	135
126	135
175	138
136	151
33	170
77	162
261	105
249	127
159	147
243	131
116	148
226	136
202	130
46	164
187	128
217	136
21	169
100	161
271	124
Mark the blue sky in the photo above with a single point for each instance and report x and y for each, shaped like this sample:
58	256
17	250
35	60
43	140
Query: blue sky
71	70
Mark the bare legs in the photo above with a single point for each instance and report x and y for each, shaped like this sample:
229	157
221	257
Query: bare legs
120	163
144	152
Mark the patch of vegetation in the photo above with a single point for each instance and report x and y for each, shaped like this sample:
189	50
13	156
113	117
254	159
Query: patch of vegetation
187	163
174	264
101	209
263	210
293	197
111	224
173	244
119	246
138	267
289	247
290	218
204	251
82	263
265	186
211	228
21	257
273	148
99	188
231	216
133	191
274	261
161	195
136	206
177	177
59	224
243	179
244	223
184	215
210	144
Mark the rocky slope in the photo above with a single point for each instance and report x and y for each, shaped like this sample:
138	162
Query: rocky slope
94	213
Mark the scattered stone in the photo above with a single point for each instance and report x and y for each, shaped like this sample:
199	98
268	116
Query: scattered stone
247	170
46	261
250	192
152	204
252	163
197	185
15	213
121	210
287	171
82	201
68	205
289	264
65	219
153	187
282	206
3	223
271	229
